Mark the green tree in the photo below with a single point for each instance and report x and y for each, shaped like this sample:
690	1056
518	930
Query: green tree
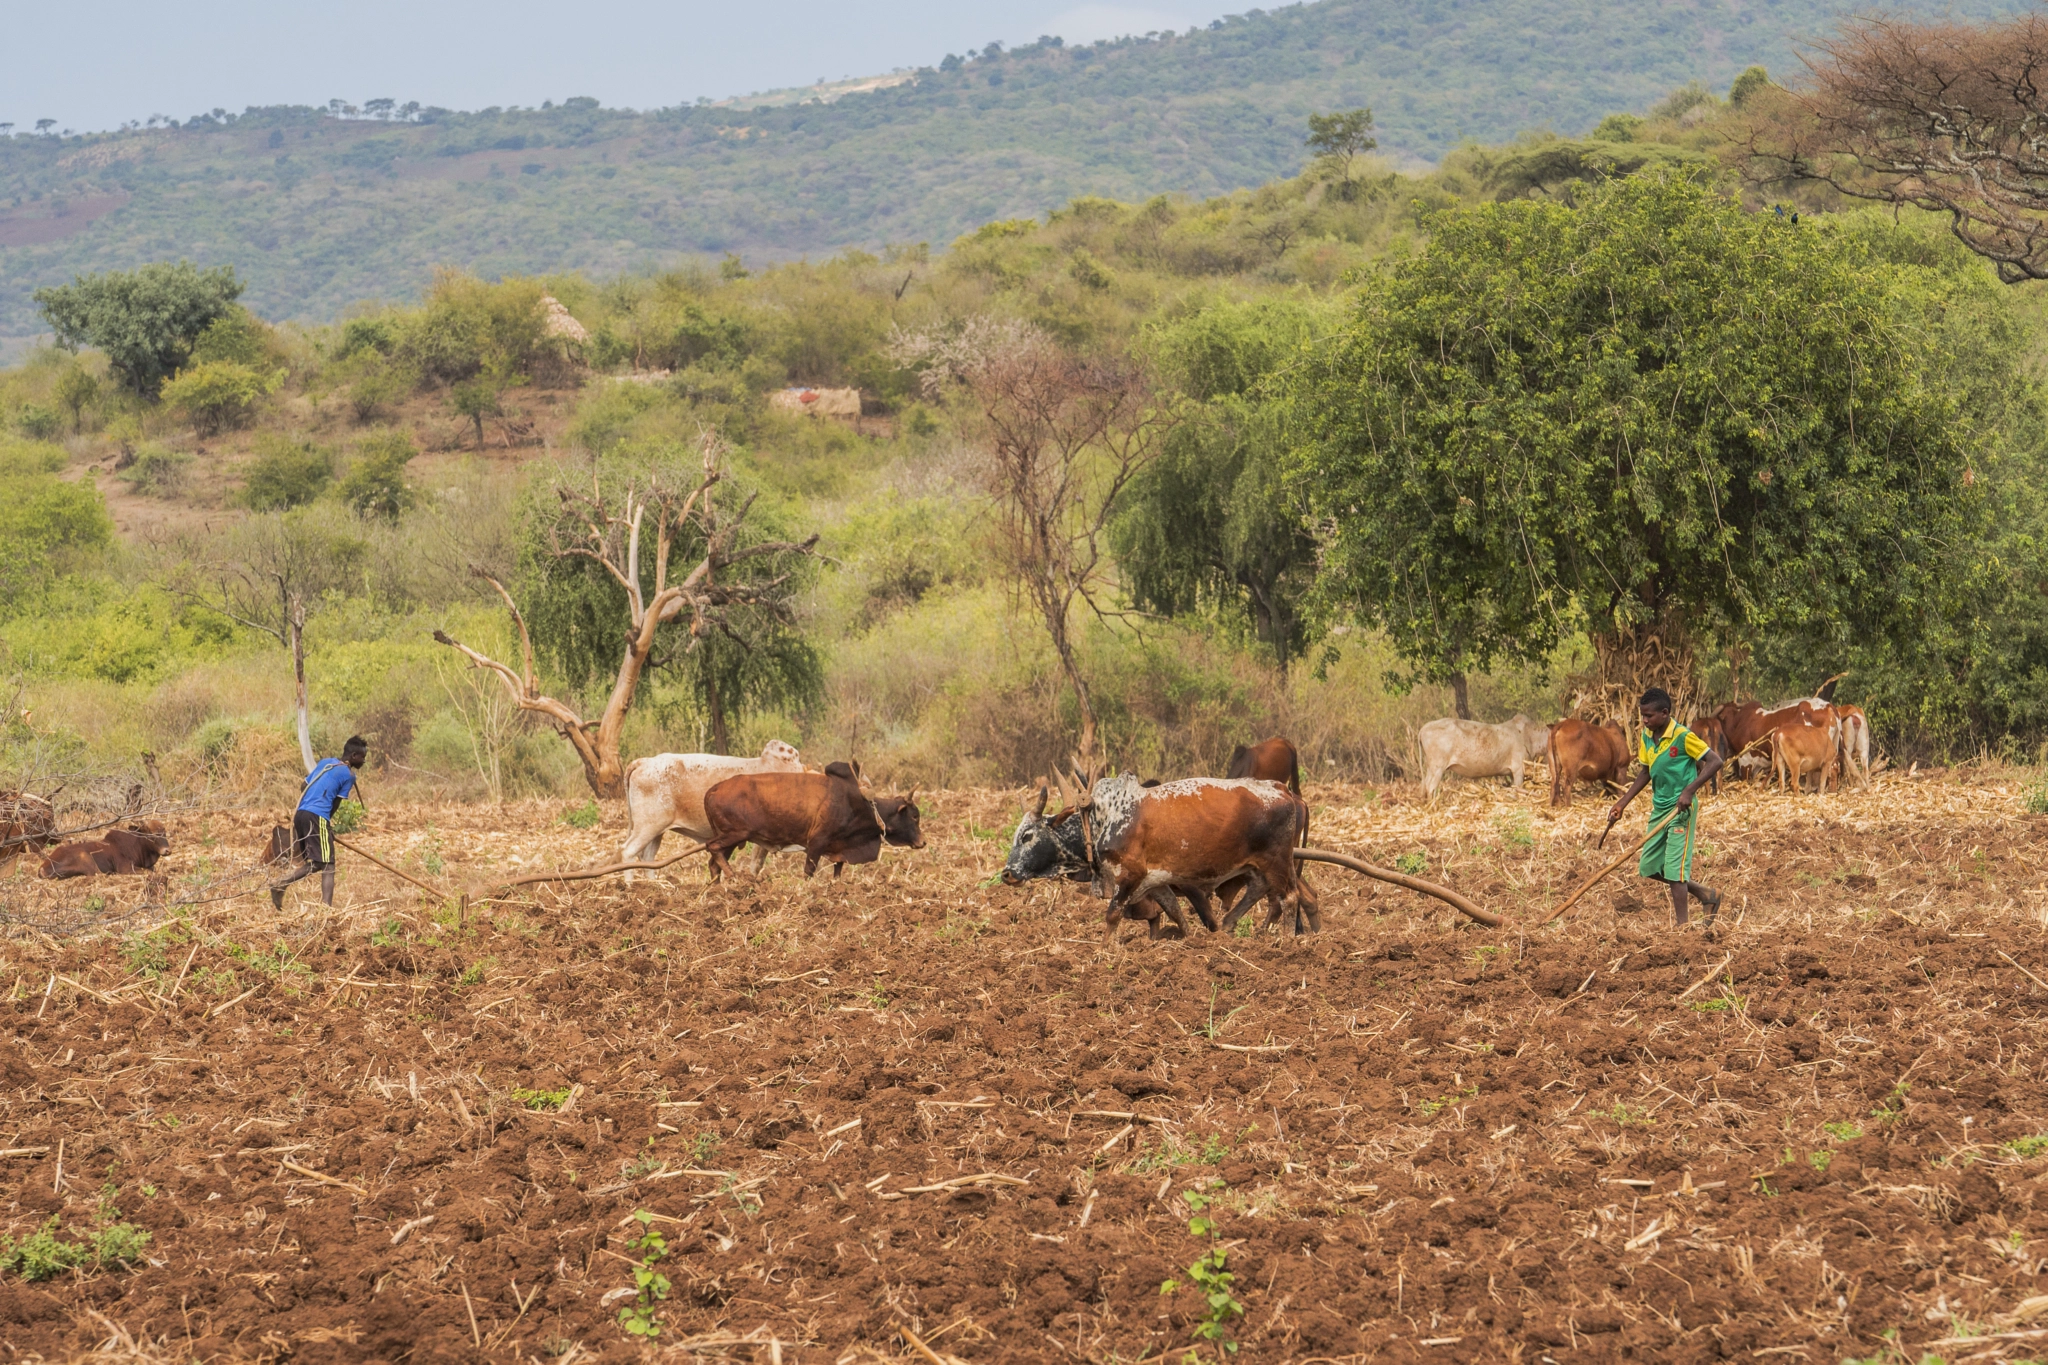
1208	527
45	522
477	399
375	485
1339	139
747	654
1647	416
218	394
77	389
145	320
285	474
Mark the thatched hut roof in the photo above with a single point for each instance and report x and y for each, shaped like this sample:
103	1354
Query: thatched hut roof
559	323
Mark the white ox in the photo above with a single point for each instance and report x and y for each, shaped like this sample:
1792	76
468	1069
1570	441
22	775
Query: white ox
666	792
1472	748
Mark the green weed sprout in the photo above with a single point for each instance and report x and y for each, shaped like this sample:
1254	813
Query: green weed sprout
640	1317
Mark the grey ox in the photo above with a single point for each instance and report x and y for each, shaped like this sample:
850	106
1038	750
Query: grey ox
1471	748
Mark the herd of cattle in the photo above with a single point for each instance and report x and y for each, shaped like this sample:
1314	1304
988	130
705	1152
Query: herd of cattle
1144	847
1792	740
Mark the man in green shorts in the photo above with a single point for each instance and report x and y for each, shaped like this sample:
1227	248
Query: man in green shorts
1675	763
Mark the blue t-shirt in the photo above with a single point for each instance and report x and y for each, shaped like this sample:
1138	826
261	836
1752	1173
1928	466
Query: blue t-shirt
330	780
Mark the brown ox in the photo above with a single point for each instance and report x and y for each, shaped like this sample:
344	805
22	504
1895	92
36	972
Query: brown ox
1580	752
1746	729
825	814
1270	760
1194	837
666	792
1799	749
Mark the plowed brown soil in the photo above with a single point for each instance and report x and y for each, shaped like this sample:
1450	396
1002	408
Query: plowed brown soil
1414	1138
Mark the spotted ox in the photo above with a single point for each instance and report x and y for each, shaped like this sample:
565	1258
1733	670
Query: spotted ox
666	792
1056	846
825	814
1200	834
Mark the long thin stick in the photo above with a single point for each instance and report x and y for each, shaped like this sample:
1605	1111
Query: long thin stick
589	872
1619	859
1444	894
444	895
2023	971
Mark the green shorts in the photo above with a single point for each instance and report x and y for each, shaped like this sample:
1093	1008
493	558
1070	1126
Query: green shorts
1668	855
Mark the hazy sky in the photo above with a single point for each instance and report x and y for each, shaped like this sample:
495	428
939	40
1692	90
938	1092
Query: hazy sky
94	66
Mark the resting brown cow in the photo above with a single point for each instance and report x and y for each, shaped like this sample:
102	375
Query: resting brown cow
1580	752
1195	836
825	814
118	852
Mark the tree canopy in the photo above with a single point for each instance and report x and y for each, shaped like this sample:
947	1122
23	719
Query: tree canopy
1208	526
146	320
1651	407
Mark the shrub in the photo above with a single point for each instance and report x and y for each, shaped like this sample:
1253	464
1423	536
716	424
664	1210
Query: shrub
378	335
36	422
157	473
285	474
376	384
234	338
375	485
219	394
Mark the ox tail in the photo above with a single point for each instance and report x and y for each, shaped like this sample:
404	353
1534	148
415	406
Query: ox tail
1442	893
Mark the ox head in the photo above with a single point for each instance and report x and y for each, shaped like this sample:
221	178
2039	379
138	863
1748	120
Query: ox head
781	756
1047	848
900	819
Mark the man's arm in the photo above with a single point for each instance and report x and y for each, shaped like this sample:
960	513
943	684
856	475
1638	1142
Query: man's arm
1614	812
1710	763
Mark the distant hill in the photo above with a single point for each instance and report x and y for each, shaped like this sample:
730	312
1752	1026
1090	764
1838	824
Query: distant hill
318	211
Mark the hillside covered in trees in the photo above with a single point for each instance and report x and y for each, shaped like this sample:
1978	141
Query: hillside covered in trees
1215	578
317	210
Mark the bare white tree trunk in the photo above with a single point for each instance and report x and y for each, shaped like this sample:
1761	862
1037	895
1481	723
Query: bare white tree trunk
298	629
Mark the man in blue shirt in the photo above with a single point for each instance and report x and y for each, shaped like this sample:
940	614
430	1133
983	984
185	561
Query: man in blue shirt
331	781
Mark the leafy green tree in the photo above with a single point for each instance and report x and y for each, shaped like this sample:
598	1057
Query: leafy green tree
1208	527
146	320
375	485
477	399
1339	139
45	522
743	656
77	389
1651	413
218	394
285	474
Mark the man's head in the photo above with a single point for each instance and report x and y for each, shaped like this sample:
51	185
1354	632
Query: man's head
356	751
1655	705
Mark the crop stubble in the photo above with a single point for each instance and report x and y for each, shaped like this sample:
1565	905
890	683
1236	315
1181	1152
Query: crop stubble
1417	1138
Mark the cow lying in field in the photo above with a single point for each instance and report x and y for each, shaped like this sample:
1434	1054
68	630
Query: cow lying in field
1471	748
118	852
825	814
666	792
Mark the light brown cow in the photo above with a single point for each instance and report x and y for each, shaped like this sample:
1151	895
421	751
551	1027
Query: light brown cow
1583	752
1799	749
666	792
1472	748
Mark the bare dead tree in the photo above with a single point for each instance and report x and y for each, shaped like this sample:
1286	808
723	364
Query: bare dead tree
1944	116
269	575
1063	437
612	534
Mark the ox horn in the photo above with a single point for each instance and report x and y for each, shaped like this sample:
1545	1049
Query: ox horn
1038	810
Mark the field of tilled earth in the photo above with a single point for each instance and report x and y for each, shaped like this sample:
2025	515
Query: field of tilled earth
916	1115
